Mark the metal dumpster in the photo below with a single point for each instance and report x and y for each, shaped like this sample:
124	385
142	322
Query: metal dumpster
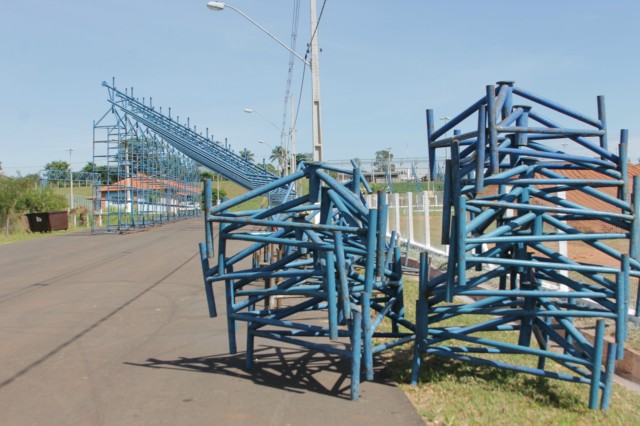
48	221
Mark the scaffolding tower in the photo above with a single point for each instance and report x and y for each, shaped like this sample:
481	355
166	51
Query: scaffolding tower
146	181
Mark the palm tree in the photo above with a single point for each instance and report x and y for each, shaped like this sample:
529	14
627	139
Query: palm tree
247	155
303	156
279	155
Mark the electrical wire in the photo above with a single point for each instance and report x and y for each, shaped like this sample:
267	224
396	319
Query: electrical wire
294	37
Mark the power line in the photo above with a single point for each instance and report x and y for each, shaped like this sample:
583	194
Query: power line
294	37
306	55
317	25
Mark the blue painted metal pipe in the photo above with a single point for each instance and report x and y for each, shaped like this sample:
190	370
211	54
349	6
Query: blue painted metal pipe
618	202
634	241
597	365
580	140
608	379
356	345
481	148
370	271
508	366
455	120
602	118
431	151
557	107
208	191
492	130
286	224
623	193
332	295
505	219
258	191
211	302
547	209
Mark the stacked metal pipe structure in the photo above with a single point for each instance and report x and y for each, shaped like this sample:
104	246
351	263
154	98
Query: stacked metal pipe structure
333	257
504	216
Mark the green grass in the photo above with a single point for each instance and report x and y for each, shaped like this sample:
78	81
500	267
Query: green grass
410	186
453	392
24	235
87	191
233	190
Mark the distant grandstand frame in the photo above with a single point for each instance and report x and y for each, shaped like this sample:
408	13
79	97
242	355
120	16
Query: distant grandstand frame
146	181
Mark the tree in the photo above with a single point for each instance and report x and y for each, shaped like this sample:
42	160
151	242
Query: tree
57	171
214	195
279	155
303	156
22	195
384	161
89	167
107	175
57	165
206	174
10	190
36	200
247	155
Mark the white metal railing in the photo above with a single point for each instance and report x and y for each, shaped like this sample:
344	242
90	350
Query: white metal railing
416	218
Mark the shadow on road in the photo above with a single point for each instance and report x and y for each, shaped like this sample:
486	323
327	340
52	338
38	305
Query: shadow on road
288	369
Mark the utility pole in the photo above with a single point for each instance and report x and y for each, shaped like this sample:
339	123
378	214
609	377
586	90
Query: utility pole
315	87
292	136
71	188
313	64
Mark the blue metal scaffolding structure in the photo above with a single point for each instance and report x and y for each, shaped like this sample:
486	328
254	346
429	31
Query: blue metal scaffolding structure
147	181
47	177
504	217
198	147
325	251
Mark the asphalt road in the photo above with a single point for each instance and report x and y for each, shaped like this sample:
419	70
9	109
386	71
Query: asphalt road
114	330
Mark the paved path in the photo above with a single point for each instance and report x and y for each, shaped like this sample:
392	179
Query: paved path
113	330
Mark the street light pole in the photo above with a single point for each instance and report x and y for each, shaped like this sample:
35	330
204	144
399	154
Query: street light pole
265	143
252	111
282	134
313	65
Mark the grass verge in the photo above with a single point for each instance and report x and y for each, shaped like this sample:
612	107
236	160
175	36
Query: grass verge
451	392
24	236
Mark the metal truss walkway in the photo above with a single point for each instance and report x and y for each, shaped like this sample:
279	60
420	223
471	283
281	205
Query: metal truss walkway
197	147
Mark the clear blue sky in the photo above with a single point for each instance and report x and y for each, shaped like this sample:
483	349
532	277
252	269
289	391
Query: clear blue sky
382	64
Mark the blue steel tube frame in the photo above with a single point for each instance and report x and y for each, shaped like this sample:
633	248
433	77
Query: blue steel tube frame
340	265
147	181
506	218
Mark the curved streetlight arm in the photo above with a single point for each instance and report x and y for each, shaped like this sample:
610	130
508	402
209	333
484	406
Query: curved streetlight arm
253	111
217	5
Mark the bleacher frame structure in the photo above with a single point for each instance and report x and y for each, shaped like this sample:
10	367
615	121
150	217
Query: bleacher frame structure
503	218
147	182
